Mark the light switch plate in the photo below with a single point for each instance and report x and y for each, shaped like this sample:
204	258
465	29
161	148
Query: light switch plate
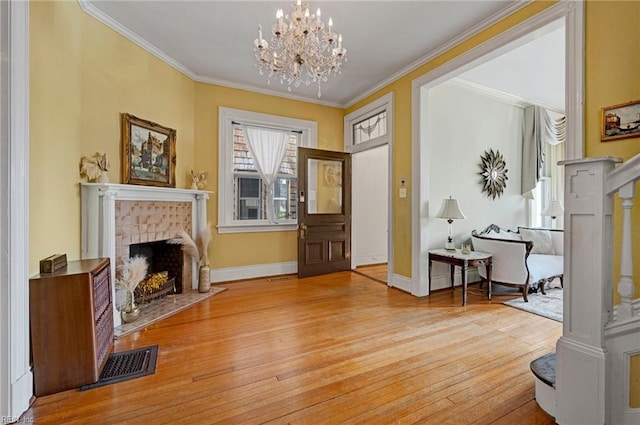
403	192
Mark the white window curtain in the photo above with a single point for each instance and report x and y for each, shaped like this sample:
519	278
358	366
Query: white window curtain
267	147
539	129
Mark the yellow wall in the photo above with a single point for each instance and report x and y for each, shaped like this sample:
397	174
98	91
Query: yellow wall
611	78
402	130
243	249
83	75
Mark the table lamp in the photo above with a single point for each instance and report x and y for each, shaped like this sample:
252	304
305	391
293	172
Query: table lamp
553	210
450	211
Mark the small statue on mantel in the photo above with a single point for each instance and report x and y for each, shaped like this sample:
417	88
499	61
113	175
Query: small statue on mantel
95	168
199	180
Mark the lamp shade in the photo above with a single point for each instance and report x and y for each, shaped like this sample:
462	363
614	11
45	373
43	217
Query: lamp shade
554	209
450	210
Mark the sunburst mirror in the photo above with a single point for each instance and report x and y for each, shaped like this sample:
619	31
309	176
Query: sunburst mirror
494	173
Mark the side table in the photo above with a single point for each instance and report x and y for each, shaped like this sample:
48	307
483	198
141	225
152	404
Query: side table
464	261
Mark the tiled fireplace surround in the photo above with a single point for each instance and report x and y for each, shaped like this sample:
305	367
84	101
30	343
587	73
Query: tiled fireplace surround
114	216
150	221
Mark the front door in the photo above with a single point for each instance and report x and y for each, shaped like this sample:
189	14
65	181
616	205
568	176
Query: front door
324	212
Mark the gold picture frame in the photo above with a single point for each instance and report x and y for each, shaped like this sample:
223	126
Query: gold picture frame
148	153
620	121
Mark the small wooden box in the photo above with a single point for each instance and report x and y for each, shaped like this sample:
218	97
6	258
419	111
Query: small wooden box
53	263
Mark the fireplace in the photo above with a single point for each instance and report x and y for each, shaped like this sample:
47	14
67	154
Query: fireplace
117	218
161	257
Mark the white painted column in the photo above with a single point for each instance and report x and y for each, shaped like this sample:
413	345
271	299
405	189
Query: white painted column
107	246
625	285
16	383
588	248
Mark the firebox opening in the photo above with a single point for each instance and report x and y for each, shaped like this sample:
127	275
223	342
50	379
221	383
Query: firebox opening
161	257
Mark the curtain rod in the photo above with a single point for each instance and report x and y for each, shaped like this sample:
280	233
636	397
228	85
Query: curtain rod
266	126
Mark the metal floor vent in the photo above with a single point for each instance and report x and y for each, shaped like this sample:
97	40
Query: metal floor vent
127	365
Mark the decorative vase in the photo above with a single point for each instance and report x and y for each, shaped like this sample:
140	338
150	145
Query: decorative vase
204	281
130	314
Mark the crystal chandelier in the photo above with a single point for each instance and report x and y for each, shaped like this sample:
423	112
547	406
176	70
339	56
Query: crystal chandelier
302	51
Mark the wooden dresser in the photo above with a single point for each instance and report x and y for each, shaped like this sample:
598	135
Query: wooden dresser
71	325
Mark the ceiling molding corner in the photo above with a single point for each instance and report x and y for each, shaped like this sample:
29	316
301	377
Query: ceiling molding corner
255	89
513	7
96	13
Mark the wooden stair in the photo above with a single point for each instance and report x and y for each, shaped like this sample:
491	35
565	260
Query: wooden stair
544	370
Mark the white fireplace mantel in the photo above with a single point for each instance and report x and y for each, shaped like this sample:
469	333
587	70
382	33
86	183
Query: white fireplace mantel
99	217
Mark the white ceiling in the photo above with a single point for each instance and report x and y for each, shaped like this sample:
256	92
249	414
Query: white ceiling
212	41
532	69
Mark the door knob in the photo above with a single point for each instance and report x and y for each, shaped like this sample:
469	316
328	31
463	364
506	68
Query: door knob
303	230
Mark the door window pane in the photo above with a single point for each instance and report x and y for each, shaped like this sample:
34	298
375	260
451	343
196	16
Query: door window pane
324	183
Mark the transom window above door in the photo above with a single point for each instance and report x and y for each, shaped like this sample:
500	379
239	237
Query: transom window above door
257	164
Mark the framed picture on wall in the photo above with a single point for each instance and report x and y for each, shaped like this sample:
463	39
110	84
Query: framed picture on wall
148	153
620	121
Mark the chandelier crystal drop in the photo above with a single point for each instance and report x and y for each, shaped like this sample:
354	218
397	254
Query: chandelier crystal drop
301	50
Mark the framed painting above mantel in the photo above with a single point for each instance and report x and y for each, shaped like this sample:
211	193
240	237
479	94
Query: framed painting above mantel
148	153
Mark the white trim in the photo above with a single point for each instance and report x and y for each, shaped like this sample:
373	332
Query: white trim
96	13
107	20
400	282
228	274
497	95
93	11
476	29
387	103
382	104
16	386
443	281
572	12
226	223
262	90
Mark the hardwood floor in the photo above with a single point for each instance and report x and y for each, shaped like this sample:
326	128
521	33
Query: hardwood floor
326	350
377	272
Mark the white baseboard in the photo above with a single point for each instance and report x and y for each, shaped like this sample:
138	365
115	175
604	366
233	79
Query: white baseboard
249	272
370	259
22	391
401	282
444	280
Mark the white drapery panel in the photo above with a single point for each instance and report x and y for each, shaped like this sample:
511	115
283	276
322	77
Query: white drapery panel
267	147
539	130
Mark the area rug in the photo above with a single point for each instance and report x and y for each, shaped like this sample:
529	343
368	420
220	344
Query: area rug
127	365
549	306
164	307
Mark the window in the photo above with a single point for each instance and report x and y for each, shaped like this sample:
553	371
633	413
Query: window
243	196
250	192
370	126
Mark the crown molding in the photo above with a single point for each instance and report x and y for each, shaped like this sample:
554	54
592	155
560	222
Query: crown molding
476	29
255	89
93	11
498	95
96	13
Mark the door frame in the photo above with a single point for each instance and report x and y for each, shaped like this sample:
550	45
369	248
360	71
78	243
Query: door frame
573	15
388	100
16	387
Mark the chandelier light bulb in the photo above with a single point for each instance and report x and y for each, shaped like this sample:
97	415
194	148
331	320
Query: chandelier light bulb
301	50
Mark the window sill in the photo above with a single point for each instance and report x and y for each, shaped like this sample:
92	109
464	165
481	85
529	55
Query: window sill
255	228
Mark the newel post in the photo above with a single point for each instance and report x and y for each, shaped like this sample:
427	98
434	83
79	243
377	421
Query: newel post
588	292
